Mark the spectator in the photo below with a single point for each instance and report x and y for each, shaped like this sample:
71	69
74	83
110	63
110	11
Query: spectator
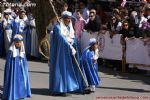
125	31
94	22
140	19
79	24
84	9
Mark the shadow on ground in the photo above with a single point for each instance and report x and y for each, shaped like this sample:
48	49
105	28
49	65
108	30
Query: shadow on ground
40	91
39	72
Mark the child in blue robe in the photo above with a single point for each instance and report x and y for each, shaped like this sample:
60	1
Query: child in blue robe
89	63
16	77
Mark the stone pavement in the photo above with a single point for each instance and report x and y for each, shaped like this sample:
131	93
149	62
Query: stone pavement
114	86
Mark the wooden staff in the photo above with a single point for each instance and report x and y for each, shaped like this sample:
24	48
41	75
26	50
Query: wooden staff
80	71
50	1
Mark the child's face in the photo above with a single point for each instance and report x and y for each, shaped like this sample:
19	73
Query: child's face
95	46
22	15
125	25
6	16
18	44
67	20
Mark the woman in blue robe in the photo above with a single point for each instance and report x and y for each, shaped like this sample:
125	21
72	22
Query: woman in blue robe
64	74
29	29
20	26
89	62
7	27
16	77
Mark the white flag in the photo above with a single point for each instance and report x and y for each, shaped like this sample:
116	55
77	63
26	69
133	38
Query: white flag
123	3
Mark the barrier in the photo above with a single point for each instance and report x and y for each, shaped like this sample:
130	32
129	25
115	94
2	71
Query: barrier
137	51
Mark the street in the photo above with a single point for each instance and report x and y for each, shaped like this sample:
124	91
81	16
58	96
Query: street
120	86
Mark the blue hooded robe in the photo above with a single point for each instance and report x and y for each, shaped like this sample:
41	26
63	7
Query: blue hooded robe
64	74
90	67
16	77
29	29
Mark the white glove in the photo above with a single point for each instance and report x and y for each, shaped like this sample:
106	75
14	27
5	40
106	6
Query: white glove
9	21
73	50
70	40
96	54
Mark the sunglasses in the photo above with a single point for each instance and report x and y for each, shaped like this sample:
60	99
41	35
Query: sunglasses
113	18
91	16
92	12
125	25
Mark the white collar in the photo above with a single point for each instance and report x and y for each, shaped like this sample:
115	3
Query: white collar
65	31
14	50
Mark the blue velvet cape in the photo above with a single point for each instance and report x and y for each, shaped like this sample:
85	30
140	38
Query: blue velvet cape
64	74
90	67
16	78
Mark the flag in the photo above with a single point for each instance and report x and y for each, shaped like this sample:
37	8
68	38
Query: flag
123	3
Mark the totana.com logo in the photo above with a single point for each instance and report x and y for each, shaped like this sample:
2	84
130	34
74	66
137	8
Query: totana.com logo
17	4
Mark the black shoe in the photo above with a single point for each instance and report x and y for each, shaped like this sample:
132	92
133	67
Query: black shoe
64	94
87	91
60	94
